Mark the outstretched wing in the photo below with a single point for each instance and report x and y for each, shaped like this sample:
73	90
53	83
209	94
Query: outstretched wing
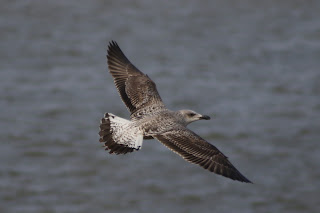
196	150
136	89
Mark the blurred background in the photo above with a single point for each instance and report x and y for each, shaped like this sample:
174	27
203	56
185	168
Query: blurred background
252	65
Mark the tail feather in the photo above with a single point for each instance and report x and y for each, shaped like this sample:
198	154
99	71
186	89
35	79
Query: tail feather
118	136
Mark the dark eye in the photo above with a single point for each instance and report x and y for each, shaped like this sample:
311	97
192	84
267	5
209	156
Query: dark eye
191	114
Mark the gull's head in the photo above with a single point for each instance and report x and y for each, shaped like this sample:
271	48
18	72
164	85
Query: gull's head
191	116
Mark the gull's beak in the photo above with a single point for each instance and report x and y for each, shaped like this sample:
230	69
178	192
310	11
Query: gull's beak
205	117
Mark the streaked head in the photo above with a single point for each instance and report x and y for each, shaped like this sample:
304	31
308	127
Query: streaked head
191	116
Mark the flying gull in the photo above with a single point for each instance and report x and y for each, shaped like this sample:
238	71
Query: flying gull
150	119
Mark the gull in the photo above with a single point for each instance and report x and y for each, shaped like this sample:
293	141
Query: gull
150	119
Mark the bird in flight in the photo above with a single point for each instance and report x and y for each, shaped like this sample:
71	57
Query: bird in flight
150	119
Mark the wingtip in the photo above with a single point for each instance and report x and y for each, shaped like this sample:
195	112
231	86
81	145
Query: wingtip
112	43
244	180
114	53
247	181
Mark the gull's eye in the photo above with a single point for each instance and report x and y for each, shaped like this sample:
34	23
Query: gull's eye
191	114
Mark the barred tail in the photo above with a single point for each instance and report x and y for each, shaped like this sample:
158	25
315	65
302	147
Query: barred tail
116	136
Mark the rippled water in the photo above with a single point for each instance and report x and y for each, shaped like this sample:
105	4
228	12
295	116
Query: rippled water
253	65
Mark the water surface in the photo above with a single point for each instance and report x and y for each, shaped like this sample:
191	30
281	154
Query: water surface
253	66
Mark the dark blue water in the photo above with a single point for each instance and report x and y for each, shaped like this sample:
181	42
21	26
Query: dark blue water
253	66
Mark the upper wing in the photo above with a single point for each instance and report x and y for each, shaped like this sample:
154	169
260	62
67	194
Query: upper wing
136	89
196	150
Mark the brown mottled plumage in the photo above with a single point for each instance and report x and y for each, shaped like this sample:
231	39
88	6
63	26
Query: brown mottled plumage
136	89
151	119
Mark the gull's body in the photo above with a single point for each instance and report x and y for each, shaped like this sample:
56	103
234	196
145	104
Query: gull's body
151	119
